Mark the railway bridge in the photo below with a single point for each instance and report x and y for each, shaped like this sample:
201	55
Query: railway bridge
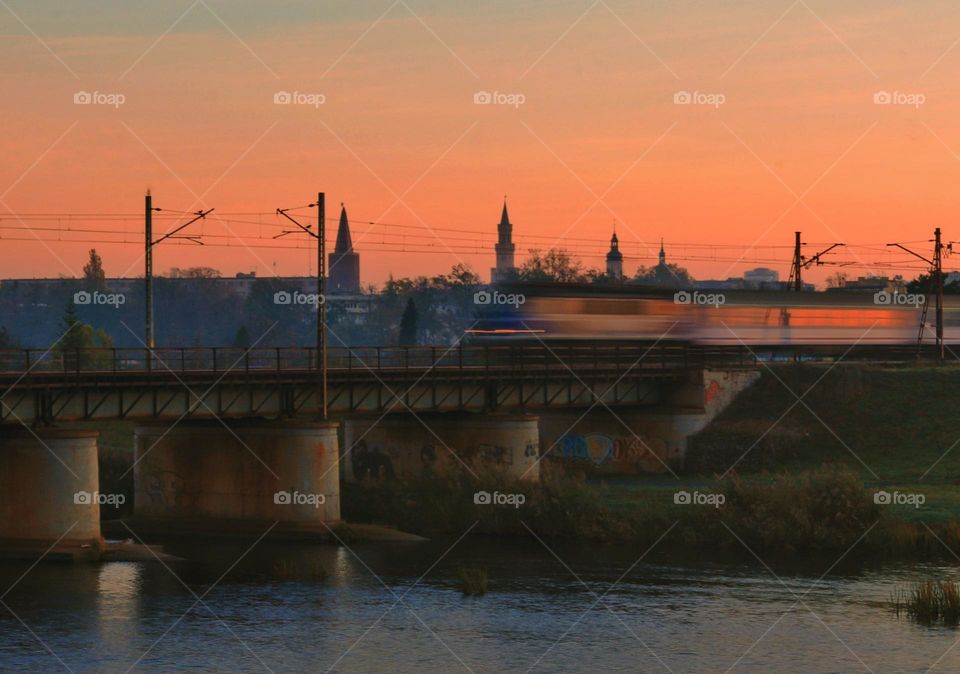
231	441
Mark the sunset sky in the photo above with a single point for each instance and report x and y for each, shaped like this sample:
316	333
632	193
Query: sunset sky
798	142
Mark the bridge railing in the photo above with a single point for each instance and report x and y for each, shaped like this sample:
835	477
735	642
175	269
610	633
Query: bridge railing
520	357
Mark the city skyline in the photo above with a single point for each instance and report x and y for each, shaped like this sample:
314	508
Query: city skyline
735	125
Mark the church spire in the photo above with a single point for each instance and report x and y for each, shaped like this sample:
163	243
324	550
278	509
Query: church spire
343	264
504	248
615	257
663	255
344	244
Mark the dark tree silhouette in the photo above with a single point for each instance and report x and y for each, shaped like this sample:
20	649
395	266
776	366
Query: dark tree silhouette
408	324
94	278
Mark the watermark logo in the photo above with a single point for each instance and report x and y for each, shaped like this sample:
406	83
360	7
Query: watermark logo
498	98
297	498
487	298
296	298
299	98
98	98
698	298
899	98
496	498
898	299
699	498
86	498
698	98
899	498
98	298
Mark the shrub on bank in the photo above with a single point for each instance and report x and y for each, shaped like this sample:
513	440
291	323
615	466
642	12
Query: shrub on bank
825	509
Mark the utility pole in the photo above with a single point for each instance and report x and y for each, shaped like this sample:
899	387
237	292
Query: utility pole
149	243
800	262
148	274
938	270
936	275
322	301
797	264
320	236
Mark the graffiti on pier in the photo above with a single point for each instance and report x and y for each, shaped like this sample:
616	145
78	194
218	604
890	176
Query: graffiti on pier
165	489
712	391
370	462
495	454
627	454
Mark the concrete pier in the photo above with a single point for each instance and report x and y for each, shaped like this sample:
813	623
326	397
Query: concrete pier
405	447
640	440
201	477
49	493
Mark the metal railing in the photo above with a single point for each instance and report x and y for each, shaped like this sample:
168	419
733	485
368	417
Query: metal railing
514	357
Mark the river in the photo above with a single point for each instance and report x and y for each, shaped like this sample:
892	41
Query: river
396	608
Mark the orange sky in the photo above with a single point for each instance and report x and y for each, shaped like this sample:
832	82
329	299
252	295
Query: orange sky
798	142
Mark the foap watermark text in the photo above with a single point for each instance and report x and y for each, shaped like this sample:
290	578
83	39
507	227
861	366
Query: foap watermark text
287	298
299	498
486	297
498	98
299	98
899	498
97	298
98	98
899	299
699	298
88	498
496	498
699	98
699	498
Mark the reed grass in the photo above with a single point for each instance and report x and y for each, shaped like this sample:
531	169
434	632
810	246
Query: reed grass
473	580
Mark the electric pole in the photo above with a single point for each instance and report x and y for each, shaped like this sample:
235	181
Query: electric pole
322	301
938	270
797	264
800	262
320	236
148	274
936	276
149	243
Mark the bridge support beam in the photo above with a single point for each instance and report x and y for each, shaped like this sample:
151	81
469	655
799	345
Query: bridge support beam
48	493
404	446
241	479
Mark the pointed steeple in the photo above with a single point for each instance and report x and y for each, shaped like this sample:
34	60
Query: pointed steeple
344	244
343	263
504	248
615	257
663	255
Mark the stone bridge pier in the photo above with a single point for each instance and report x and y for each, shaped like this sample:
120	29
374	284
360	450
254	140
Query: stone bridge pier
405	446
49	493
236	478
651	439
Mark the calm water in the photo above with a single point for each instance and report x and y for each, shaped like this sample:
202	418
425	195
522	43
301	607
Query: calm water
664	615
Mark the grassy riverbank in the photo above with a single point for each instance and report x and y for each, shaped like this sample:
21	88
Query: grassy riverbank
794	475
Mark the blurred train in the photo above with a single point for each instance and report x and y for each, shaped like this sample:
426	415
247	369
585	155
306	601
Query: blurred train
557	312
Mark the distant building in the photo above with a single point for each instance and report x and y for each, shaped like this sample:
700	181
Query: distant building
343	273
504	249
761	277
615	259
872	284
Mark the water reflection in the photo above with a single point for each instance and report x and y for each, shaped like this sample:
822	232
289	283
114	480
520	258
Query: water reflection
273	608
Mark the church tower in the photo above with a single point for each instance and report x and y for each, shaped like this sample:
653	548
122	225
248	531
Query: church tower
615	258
343	262
504	249
663	255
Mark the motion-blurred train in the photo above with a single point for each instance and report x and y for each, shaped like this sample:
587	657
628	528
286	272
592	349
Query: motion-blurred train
557	312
